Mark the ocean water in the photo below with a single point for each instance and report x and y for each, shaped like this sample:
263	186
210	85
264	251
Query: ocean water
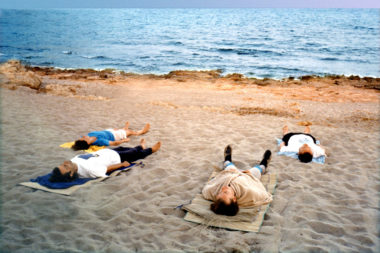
274	43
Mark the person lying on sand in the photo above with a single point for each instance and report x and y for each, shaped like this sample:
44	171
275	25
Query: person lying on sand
99	163
233	188
108	137
304	144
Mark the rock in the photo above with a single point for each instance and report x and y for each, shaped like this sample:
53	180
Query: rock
60	90
13	73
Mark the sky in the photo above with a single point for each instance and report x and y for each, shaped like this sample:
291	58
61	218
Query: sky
33	4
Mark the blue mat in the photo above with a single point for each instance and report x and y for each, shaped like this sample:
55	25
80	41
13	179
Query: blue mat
320	160
67	188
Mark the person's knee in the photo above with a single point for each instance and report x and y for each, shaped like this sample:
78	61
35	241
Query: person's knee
228	165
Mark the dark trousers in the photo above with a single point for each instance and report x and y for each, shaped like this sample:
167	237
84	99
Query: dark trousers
132	154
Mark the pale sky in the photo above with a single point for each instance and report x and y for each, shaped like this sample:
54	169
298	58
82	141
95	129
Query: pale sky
31	4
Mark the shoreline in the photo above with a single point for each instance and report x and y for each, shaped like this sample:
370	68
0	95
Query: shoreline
371	82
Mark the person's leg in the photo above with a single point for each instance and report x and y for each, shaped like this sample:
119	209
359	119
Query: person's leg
307	130
285	130
228	158
229	165
136	153
144	130
126	126
260	169
266	158
133	154
257	171
122	149
228	153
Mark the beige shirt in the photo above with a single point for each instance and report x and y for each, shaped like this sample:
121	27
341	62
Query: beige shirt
249	190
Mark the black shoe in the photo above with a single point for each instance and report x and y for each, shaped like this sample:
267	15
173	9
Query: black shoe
228	153
266	158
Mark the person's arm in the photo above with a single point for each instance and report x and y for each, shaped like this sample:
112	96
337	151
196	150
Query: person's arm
288	149
319	151
324	149
117	166
117	143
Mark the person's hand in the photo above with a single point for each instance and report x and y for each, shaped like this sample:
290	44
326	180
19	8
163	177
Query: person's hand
126	164
125	140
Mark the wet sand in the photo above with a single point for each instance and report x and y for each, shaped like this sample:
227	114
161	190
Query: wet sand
325	208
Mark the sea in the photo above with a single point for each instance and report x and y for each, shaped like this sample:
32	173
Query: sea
261	43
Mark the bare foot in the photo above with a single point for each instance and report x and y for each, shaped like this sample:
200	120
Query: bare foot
285	130
142	143
144	130
126	125
156	147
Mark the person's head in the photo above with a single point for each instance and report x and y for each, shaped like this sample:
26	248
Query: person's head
226	202
66	172
82	143
305	154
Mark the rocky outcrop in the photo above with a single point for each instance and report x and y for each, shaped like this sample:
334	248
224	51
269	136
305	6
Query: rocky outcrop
13	74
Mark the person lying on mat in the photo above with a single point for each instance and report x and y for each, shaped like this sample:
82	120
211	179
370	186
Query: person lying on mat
233	188
99	163
108	137
304	144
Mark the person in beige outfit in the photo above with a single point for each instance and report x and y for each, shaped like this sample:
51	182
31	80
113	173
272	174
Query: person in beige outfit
233	188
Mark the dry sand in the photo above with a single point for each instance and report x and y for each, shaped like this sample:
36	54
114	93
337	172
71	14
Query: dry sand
317	208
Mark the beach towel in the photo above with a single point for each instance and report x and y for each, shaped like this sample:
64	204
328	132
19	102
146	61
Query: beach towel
67	188
91	149
247	219
320	159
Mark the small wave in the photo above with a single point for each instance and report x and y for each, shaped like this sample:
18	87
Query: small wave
169	52
331	51
363	28
252	52
329	59
67	52
278	68
179	64
97	57
175	43
257	52
34	50
46	63
117	65
5	46
312	44
225	50
122	42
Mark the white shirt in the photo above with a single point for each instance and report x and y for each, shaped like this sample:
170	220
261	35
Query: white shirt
95	164
297	140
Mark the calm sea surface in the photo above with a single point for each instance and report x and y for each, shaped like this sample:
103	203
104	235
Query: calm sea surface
273	43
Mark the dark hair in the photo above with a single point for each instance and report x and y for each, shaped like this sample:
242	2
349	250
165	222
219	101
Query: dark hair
57	176
80	145
305	157
219	207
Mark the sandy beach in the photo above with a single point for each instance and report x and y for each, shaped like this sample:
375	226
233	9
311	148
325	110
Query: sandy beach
316	208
